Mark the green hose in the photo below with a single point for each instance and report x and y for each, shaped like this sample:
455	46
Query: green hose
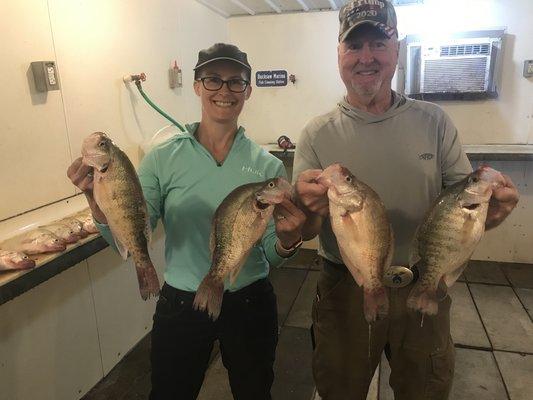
164	114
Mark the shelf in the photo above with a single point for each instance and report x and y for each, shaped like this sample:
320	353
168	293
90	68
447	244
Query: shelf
15	283
475	152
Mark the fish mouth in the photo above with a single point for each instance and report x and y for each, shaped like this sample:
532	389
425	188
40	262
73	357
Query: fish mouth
471	207
261	206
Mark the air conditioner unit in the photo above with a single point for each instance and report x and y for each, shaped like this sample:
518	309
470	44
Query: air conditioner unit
454	68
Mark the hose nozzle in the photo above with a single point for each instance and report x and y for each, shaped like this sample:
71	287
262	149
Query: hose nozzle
134	78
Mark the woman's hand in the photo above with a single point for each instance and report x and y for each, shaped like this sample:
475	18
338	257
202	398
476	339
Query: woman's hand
81	176
289	221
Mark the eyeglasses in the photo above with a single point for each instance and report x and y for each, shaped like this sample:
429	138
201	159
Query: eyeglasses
213	83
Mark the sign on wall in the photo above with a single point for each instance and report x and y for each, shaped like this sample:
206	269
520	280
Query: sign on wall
271	78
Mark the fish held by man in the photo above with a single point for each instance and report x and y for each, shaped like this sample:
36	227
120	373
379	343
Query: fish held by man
364	235
448	235
117	192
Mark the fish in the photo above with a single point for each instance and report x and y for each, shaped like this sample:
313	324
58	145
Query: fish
118	193
87	221
448	235
75	226
364	235
40	241
238	224
62	231
14	260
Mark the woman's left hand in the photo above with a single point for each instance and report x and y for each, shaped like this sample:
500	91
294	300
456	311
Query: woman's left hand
289	221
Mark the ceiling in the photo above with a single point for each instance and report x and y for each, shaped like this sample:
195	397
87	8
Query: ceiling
230	8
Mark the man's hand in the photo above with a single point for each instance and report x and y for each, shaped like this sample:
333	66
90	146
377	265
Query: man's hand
312	197
502	202
311	194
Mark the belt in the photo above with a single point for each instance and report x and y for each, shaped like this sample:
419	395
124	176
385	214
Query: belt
396	276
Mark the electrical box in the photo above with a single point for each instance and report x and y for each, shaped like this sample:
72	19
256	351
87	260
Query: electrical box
174	76
45	75
528	68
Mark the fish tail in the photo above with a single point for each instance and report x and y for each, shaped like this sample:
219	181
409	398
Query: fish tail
423	299
376	304
209	296
148	280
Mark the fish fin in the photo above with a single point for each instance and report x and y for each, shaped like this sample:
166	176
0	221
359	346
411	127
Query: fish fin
209	296
235	271
451	277
423	298
212	241
376	304
148	280
121	248
414	254
388	259
148	231
353	269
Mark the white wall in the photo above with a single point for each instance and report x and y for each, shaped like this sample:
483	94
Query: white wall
304	44
94	43
62	337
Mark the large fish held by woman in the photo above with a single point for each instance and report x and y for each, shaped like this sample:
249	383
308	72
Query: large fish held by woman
118	193
364	234
448	236
238	224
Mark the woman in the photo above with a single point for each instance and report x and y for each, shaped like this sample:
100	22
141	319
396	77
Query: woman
184	180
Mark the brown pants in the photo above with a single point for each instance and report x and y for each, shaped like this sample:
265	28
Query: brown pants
422	357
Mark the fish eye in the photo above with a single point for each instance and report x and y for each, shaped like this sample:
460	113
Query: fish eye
271	185
475	179
348	179
102	143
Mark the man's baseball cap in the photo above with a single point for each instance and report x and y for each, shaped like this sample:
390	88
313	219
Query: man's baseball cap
222	51
379	13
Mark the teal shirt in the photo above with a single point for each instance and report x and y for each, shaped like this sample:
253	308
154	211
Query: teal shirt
183	187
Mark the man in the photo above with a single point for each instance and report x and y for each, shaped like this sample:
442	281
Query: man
407	151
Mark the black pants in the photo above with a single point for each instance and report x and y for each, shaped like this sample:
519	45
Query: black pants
182	340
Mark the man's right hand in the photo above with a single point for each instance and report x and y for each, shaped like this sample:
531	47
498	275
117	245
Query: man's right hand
313	199
81	176
312	195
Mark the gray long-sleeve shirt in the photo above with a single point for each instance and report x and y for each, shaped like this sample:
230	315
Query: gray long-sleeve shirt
407	155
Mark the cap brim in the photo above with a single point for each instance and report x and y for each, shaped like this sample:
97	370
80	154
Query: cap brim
378	25
222	58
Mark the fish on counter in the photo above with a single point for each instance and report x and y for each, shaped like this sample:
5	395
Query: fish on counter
239	223
14	260
75	226
364	235
118	193
39	241
62	231
448	235
87	221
